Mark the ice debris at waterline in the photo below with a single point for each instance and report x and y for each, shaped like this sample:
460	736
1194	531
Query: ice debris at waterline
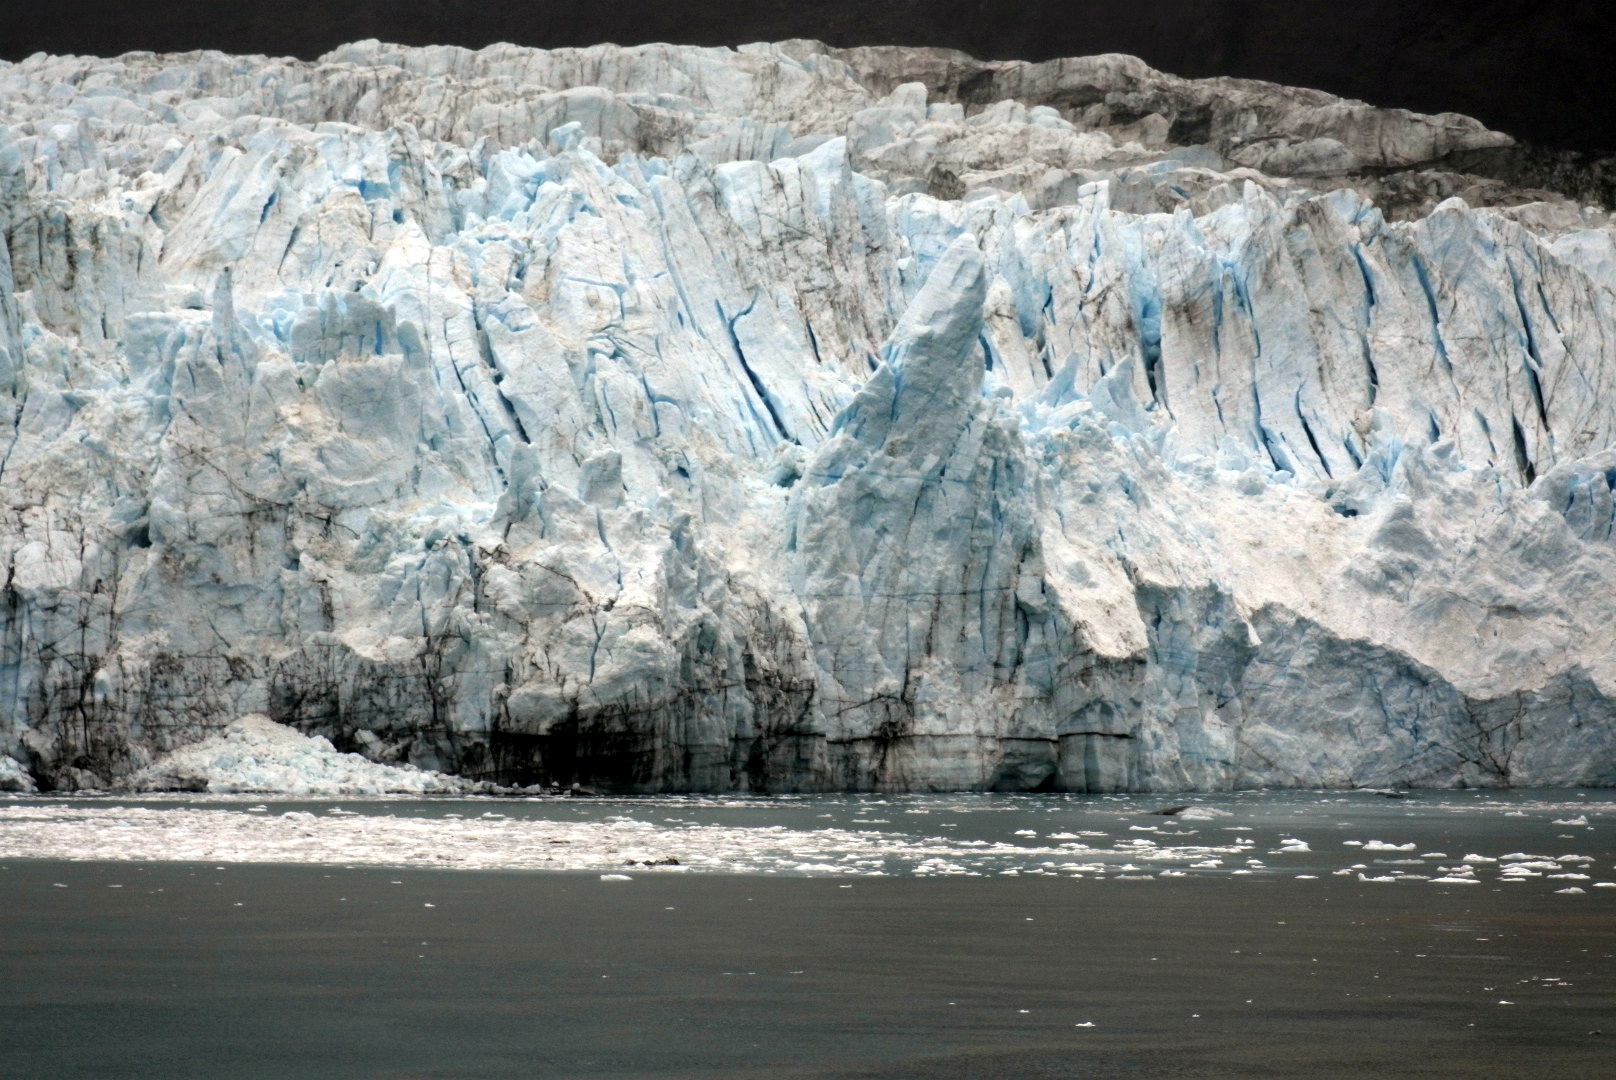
789	418
966	835
14	778
255	754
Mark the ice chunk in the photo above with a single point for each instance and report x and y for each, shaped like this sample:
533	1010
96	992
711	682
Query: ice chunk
256	754
13	777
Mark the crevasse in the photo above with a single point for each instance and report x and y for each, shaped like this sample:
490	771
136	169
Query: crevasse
788	418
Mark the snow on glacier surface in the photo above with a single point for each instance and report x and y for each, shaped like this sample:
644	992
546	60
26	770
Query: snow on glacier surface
790	419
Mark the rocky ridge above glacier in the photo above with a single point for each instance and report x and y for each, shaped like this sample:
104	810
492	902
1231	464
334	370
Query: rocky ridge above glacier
790	418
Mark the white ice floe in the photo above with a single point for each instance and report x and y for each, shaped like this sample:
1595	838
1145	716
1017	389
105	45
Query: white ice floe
1202	813
254	754
1580	819
1380	845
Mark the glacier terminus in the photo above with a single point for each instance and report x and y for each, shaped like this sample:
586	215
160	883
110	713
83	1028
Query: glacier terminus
790	418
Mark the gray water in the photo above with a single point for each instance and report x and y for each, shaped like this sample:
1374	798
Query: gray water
924	936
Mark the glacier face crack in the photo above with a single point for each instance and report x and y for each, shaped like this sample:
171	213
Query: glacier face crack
789	419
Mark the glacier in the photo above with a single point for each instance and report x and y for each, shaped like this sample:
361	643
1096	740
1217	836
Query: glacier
788	418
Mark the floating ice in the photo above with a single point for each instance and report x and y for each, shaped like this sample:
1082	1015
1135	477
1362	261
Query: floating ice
563	841
1201	813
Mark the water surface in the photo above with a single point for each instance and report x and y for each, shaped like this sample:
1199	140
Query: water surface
947	946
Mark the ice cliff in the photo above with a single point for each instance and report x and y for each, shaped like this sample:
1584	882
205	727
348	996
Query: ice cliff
794	419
